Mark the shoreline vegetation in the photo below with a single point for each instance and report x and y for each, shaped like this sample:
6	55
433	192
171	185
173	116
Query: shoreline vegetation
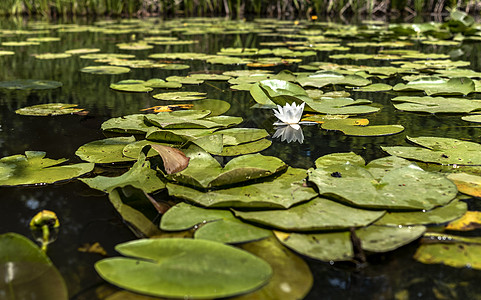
237	8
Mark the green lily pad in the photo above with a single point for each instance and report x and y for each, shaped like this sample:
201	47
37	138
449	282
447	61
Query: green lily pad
34	168
30	84
439	150
50	109
134	46
180	96
191	119
205	172
458	255
246	148
231	231
4	53
216	107
472	118
406	187
335	246
436	104
323	78
236	136
52	55
440	215
317	214
184	216
375	87
376	238
28	270
105	151
107	70
140	176
355	130
438	86
20	44
162	267
281	192
131	124
106	56
82	51
131	85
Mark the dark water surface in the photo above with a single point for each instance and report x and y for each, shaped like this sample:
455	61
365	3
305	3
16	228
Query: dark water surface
86	216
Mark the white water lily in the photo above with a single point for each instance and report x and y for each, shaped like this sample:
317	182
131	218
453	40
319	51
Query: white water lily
290	114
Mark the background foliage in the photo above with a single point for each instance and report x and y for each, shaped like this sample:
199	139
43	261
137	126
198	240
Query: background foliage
237	8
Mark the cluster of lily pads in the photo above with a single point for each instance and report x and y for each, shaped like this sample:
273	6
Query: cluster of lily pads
222	192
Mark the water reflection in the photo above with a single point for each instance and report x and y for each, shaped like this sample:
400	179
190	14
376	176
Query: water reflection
289	134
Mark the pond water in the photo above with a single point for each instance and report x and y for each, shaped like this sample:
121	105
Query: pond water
86	215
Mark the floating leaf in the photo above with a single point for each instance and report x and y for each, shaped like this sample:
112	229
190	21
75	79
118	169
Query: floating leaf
180	96
161	267
323	78
52	55
246	148
174	159
440	215
467	183
334	246
438	86
406	187
30	84
131	85
436	104
231	231
281	192
107	70
50	109
471	220
458	255
204	171
28	271
376	87
131	124
376	238
105	151
346	126
140	176
34	168
439	150
317	214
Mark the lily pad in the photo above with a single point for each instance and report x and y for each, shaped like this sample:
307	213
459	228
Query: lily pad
107	70
140	176
131	85
180	96
438	86
246	148
105	151
281	192
355	130
205	172
335	246
376	238
50	109
467	183
231	231
440	215
162	267
317	214
28	271
131	124
439	150
34	168
407	187
323	78
458	255
187	119
436	104
30	84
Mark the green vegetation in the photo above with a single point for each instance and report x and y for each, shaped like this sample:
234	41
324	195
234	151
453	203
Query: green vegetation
238	8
